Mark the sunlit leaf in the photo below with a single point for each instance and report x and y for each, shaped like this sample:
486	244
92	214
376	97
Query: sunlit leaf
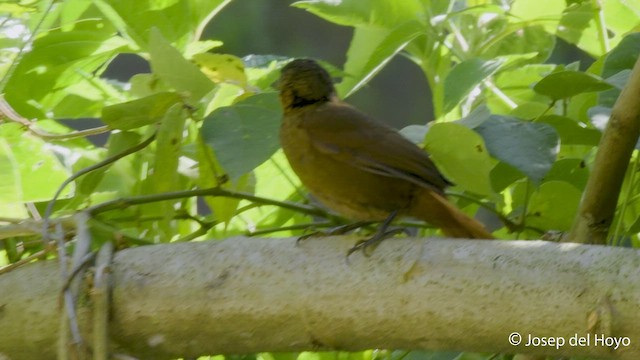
31	172
572	171
461	154
364	12
170	66
553	206
375	57
136	113
222	68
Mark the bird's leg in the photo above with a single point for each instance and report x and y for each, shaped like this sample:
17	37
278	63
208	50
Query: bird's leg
383	233
338	230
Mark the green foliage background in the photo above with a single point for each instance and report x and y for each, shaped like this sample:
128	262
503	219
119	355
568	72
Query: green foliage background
515	132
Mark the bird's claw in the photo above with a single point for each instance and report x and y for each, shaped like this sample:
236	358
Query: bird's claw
374	241
338	230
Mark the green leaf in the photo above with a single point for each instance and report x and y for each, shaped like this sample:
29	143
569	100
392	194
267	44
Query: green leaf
515	84
464	77
553	206
165	169
530	110
549	10
170	66
529	147
177	20
168	150
222	68
621	18
620	60
382	29
200	47
580	24
245	134
623	56
503	175
565	84
461	155
31	172
10	179
520	43
146	84
382	13
276	177
363	43
577	27
75	106
572	171
225	208
71	11
264	70
57	61
570	131
276	180
118	142
387	46
136	113
212	175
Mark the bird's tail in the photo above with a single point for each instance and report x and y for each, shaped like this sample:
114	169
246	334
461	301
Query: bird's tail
438	211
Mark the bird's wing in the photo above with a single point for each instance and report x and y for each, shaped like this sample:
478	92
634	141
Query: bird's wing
341	131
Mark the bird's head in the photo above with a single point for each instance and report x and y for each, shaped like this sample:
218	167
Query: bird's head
304	82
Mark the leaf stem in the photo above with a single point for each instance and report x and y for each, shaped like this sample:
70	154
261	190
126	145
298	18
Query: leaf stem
601	26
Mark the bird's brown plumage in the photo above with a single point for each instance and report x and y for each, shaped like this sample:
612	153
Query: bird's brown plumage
355	165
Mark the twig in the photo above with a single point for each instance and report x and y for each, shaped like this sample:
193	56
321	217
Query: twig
29	227
7	112
88	258
24	261
11	220
289	228
123	203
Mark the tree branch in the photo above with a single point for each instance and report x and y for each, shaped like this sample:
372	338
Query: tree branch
247	295
598	205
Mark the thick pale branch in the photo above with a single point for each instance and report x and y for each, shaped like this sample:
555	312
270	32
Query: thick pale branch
247	295
598	205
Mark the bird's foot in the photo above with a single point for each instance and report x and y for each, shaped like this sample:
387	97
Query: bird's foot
368	245
338	230
383	233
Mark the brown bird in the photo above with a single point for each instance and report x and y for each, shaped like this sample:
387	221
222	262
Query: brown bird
357	166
